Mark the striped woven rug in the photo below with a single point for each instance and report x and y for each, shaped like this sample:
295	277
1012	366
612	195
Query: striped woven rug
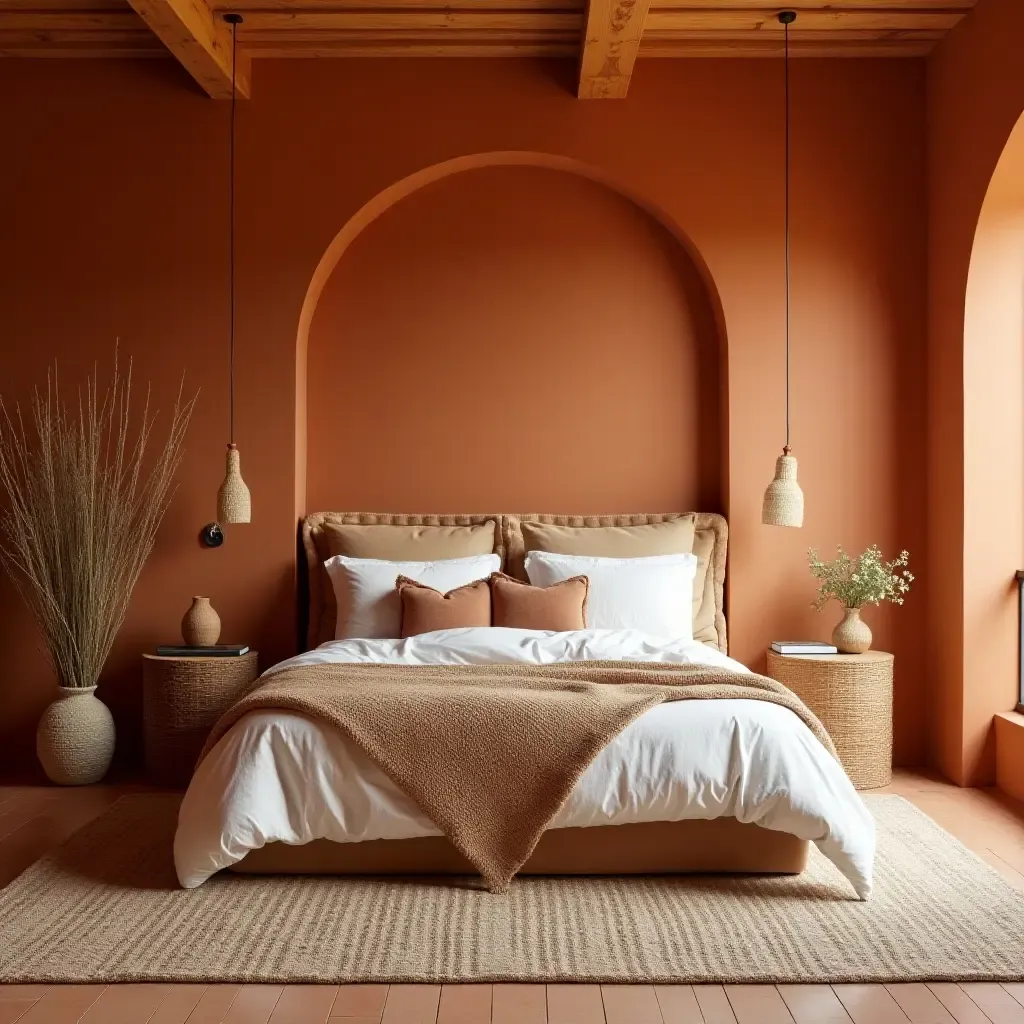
106	908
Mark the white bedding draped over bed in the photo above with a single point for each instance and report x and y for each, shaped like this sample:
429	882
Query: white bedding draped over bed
279	776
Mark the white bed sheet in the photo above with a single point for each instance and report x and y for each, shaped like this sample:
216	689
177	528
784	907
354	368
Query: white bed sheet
279	776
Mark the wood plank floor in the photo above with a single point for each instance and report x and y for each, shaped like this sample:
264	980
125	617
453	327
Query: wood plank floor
35	818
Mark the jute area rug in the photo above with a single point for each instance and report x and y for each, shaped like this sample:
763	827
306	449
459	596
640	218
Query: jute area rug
106	908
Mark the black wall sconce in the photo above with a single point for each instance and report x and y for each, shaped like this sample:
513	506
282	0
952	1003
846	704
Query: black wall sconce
211	535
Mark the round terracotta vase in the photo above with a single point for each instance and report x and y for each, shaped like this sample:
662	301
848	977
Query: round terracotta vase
201	625
75	737
852	635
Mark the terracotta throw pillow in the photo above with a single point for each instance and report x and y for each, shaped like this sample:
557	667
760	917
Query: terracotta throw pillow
425	609
560	607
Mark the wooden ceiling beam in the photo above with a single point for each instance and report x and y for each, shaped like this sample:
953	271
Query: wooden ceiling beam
604	34
611	40
201	42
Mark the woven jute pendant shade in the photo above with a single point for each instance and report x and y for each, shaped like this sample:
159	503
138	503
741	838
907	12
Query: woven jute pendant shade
233	502
783	503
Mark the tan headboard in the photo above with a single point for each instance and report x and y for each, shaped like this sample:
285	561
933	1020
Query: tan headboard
318	611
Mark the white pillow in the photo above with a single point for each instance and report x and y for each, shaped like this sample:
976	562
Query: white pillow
652	594
369	605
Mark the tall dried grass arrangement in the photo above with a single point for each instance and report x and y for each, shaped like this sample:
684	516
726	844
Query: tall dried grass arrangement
82	513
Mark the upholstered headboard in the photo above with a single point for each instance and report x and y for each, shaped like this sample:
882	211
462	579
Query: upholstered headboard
318	611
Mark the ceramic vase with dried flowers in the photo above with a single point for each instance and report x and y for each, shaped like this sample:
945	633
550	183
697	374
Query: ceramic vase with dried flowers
85	496
855	582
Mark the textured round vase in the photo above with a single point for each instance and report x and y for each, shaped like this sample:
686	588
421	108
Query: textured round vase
201	625
852	635
75	737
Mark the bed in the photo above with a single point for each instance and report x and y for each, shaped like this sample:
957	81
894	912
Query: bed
709	785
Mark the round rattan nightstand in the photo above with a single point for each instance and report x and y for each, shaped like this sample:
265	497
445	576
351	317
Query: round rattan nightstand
852	696
182	698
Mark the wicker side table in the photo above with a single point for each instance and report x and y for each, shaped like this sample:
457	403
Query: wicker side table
182	698
852	696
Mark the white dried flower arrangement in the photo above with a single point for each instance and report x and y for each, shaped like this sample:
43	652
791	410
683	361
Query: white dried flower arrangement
868	579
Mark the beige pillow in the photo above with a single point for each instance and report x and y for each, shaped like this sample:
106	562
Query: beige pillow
395	544
425	609
518	605
672	537
407	543
705	630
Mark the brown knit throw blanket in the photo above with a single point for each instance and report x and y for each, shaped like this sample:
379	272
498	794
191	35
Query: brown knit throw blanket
490	753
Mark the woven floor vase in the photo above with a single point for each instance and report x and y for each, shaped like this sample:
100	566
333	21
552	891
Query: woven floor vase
852	635
75	737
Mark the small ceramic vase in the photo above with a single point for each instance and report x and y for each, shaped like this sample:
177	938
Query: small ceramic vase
75	737
852	635
201	625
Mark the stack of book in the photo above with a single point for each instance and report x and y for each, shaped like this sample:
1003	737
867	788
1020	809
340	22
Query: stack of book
803	648
217	651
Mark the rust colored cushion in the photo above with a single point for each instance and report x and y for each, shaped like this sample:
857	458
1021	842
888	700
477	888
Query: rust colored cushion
425	609
559	607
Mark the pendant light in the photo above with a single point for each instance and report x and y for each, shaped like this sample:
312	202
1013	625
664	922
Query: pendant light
783	503
233	502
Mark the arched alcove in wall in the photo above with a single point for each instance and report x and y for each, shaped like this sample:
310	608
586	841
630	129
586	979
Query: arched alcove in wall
512	335
993	431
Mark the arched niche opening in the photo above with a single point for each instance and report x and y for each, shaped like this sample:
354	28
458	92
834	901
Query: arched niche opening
512	334
993	432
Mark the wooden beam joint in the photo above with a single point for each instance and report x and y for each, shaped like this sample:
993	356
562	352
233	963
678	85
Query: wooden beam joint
611	39
200	40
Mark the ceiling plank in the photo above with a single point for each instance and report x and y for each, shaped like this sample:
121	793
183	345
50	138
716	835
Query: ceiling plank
92	50
611	40
69	21
251	6
200	40
746	46
880	21
258	48
258	23
383	48
800	6
256	8
63	5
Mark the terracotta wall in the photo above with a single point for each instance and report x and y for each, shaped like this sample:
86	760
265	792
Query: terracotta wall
976	384
513	338
119	230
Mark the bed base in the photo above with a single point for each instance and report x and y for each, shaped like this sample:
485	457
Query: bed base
723	845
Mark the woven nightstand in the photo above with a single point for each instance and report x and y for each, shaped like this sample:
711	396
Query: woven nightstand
852	696
182	698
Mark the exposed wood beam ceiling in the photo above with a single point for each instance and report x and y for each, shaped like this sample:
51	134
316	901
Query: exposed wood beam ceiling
200	40
605	36
611	42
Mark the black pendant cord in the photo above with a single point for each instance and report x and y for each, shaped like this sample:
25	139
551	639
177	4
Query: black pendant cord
787	18
233	20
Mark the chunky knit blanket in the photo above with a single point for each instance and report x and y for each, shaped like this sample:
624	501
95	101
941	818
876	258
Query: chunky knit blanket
490	753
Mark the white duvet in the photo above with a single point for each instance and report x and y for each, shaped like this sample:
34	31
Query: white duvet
279	776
